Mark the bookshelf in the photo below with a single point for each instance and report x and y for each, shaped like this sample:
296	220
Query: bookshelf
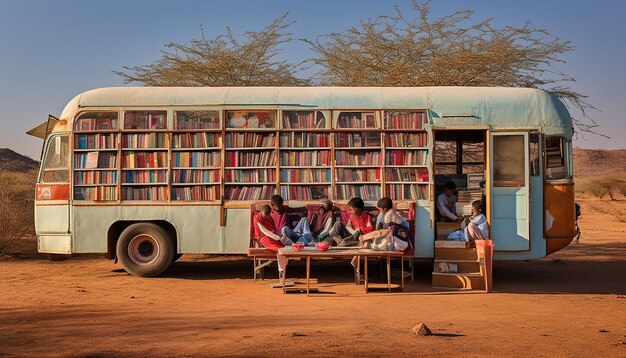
95	159
250	155
144	156
305	156
358	162
196	156
407	155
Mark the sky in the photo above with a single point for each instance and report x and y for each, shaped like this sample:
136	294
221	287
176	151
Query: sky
51	51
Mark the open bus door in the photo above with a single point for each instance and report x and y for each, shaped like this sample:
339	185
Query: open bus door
509	191
52	197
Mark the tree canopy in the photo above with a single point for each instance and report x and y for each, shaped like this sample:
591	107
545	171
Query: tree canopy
402	49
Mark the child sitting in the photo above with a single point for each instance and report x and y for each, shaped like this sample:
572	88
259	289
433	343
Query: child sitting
474	227
359	223
265	230
388	218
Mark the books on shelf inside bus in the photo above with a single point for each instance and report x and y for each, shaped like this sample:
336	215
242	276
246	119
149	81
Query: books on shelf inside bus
357	158
305	175
304	140
250	159
302	120
95	177
406	157
405	120
305	158
357	175
249	140
144	160
95	160
257	192
364	139
145	193
196	176
96	141
365	192
98	193
144	176
196	140
304	192
195	193
407	191
196	159
250	175
407	174
145	140
406	139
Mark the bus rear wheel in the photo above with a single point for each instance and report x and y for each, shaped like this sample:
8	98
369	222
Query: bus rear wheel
145	250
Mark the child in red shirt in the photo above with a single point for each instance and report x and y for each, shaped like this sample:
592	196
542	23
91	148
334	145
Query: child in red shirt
358	224
265	230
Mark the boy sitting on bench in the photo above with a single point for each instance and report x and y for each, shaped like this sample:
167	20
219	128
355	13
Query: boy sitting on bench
359	223
265	230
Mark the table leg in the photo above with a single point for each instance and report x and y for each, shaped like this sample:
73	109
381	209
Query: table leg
308	273
402	271
285	274
389	273
365	274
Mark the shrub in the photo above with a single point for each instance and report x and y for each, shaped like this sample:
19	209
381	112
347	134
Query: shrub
17	191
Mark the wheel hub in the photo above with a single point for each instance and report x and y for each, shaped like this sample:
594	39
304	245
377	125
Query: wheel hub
143	249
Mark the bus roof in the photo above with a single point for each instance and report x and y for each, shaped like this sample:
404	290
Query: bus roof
498	108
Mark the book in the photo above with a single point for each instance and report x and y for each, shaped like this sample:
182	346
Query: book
92	160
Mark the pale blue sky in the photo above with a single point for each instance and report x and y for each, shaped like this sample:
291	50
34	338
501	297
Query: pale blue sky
52	50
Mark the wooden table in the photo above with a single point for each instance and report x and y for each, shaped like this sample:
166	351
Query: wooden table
310	252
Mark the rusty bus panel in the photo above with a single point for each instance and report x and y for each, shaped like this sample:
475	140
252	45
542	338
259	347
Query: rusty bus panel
560	215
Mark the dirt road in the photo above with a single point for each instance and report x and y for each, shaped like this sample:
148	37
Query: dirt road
572	303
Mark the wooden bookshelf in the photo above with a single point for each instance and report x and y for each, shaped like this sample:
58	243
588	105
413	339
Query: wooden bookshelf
305	155
95	159
196	156
407	156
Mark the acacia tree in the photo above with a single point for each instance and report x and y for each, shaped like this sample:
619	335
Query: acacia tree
223	60
413	49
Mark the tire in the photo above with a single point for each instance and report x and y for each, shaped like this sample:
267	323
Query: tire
145	250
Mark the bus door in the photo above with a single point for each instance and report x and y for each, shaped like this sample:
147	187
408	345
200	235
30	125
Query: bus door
52	209
509	191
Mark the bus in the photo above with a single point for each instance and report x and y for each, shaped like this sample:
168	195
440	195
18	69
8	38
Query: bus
146	174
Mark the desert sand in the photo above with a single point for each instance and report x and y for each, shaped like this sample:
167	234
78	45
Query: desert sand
572	303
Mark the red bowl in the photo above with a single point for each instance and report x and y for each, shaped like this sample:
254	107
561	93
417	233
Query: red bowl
322	246
297	247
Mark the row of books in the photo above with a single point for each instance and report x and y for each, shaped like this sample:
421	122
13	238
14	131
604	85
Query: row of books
365	192
144	160
92	160
357	120
145	140
195	176
197	120
406	139
145	193
99	193
356	175
407	174
95	177
250	140
196	140
306	158
304	192
305	140
196	193
357	139
144	176
406	157
474	180
250	159
196	159
96	124
305	175
465	198
405	120
96	141
262	192
302	120
356	159
251	175
407	191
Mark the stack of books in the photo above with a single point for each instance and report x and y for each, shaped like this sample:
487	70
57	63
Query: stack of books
465	199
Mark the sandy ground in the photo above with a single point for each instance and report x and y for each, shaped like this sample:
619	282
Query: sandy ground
572	303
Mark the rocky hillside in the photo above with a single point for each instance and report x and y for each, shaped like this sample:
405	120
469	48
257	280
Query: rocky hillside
594	162
11	161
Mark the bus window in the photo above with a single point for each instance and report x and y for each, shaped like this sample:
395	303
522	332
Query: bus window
557	158
508	165
92	121
56	163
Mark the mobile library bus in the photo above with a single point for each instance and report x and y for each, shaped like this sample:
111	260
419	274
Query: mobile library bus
148	174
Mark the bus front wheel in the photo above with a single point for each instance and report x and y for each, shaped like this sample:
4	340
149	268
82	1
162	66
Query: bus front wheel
145	249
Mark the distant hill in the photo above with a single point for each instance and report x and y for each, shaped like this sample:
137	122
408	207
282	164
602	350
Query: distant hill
594	162
14	162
